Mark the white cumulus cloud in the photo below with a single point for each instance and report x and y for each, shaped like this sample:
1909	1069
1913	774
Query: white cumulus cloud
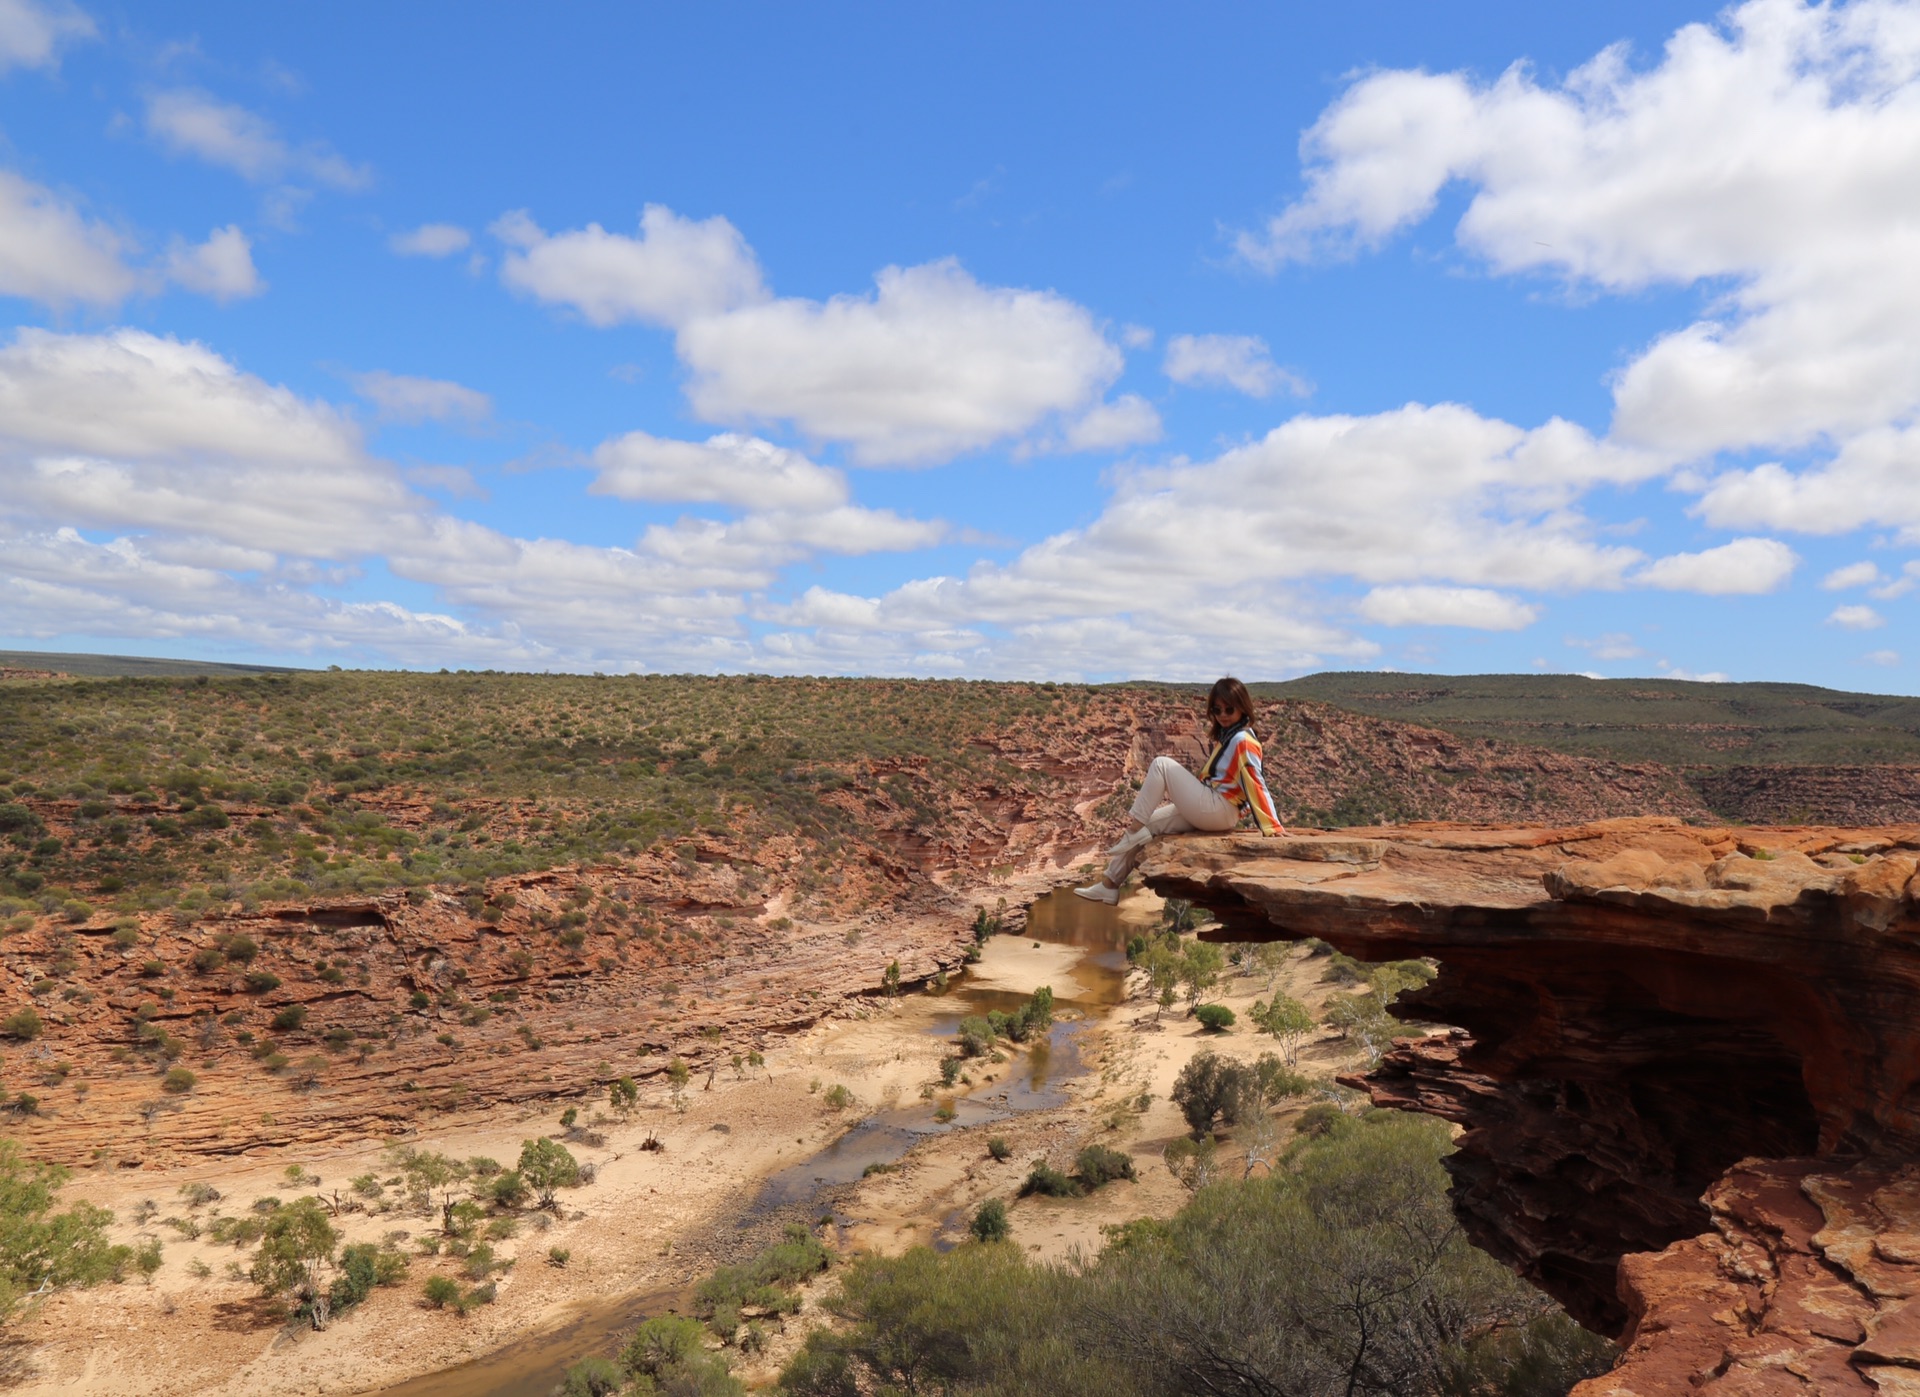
1241	362
725	469
929	365
405	398
1129	420
51	253
1767	155
221	267
1856	618
1852	575
677	269
32	31
431	240
1475	607
1745	567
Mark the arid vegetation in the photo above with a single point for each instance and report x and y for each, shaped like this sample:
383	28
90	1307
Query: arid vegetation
1341	1272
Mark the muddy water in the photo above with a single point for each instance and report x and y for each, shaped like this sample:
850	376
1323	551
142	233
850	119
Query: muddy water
530	1367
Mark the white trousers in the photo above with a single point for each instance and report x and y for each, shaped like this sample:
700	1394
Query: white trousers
1172	800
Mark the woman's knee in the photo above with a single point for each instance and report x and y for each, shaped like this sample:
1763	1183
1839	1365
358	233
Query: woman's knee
1165	764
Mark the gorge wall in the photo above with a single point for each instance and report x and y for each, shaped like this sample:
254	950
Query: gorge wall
1685	1061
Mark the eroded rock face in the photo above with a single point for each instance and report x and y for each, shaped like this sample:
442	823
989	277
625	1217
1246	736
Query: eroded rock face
1640	1005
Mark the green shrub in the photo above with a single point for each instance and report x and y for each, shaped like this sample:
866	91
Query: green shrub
442	1291
546	1166
1216	1018
975	1037
1319	1119
292	1017
363	1266
1097	1165
765	1282
178	1081
669	1353
23	1024
1343	1272
999	1148
990	1222
1211	1088
238	948
1044	1179
592	1377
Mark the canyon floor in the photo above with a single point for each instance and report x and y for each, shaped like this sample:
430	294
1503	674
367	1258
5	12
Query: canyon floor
653	1222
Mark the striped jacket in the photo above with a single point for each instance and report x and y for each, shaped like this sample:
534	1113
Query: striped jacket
1234	771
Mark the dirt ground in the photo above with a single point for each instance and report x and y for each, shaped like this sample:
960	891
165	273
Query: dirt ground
652	1221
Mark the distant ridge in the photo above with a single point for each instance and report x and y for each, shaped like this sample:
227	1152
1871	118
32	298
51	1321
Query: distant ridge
130	666
1675	722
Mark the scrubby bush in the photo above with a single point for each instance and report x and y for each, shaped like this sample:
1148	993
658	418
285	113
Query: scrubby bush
1216	1018
668	1355
766	1282
1343	1273
1097	1166
22	1024
593	1377
363	1265
1044	1179
547	1166
999	1148
441	1291
990	1222
1211	1088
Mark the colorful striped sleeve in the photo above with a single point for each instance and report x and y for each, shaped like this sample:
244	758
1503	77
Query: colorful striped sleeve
1246	774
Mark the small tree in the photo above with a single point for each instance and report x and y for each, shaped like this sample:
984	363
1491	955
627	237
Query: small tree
41	1250
1268	957
1200	969
890	980
1211	1087
295	1242
1287	1020
435	1179
678	1075
547	1166
1178	915
990	1223
622	1096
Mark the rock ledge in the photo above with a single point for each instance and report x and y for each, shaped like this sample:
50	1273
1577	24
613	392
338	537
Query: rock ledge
1686	1062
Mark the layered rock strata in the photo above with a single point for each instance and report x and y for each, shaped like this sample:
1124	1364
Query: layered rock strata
1637	1007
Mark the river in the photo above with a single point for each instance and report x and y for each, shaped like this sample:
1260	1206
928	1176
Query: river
531	1366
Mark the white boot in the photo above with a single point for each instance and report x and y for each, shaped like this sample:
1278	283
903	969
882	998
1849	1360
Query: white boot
1098	892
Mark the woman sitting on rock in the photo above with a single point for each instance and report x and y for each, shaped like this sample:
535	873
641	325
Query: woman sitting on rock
1173	800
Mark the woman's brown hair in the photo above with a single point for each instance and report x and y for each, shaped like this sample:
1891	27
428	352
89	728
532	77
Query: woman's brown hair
1229	692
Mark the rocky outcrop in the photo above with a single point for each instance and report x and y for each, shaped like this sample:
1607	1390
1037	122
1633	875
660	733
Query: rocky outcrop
1685	1061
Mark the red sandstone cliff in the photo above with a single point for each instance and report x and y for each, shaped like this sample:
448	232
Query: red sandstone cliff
1686	1064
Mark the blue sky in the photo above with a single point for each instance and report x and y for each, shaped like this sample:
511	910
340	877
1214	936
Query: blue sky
1068	341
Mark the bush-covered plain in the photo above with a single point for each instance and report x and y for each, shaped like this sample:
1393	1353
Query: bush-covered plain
141	793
